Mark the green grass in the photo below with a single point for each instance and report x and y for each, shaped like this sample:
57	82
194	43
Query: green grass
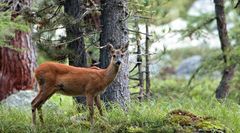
146	115
149	116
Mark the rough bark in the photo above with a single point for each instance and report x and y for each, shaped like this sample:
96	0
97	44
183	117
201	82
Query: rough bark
114	31
16	67
228	72
77	54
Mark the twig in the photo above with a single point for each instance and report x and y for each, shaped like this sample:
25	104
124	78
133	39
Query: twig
128	15
145	54
193	75
55	13
94	4
238	3
52	29
134	74
77	38
133	78
136	62
133	68
138	32
143	17
44	9
193	30
101	47
89	10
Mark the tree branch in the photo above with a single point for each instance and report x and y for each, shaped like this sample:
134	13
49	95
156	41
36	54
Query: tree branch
238	3
138	32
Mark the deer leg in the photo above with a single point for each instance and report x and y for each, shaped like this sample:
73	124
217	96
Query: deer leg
34	116
40	114
98	103
90	106
40	99
34	108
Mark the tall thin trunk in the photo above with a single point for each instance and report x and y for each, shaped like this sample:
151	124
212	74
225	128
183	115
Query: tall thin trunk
114	31
139	64
228	72
148	84
77	55
16	67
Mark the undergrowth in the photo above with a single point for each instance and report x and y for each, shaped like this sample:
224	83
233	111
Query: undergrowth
139	116
151	115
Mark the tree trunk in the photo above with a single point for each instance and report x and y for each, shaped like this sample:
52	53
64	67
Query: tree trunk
148	84
228	72
114	31
77	54
139	63
16	67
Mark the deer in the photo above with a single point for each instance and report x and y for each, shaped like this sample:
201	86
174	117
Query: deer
68	80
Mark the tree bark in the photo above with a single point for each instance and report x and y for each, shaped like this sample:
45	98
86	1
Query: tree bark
16	67
228	72
114	30
77	54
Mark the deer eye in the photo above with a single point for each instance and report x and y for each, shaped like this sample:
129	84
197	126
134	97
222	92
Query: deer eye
122	55
114	56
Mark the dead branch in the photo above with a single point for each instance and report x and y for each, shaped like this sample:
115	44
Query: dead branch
144	54
138	32
55	13
193	30
41	10
143	17
238	3
52	29
133	68
133	78
134	74
88	11
194	75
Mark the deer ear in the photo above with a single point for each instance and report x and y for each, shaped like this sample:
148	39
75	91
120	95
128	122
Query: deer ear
124	48
111	49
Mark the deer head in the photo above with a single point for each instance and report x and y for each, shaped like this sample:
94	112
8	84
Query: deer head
117	54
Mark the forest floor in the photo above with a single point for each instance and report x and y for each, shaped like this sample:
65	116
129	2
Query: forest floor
173	107
169	110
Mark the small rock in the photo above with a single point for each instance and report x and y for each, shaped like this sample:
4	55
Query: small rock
189	66
20	99
23	99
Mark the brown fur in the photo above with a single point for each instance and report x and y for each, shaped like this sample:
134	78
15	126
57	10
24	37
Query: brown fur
74	81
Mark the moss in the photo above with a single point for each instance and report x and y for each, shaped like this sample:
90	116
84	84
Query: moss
180	121
210	125
163	129
185	121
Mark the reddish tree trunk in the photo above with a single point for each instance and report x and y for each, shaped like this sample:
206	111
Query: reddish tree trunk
16	67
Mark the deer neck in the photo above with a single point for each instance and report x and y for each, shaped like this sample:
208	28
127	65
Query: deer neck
111	72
